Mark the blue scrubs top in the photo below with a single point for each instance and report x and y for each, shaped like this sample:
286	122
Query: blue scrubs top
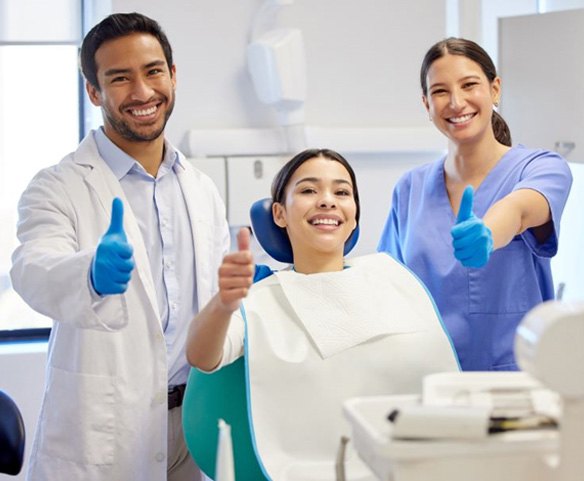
482	307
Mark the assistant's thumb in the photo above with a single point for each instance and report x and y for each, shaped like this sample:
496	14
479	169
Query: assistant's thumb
466	203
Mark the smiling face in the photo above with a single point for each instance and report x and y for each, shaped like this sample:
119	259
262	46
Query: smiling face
136	88
318	211
460	98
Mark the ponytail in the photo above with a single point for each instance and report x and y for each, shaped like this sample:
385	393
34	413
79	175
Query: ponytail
501	129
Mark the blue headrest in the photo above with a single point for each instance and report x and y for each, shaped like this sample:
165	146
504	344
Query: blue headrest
274	239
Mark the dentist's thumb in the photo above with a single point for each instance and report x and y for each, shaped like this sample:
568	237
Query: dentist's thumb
466	203
116	226
243	239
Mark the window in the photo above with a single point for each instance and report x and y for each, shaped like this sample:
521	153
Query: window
39	118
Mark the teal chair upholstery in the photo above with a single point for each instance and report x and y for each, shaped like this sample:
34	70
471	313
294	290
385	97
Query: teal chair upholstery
208	398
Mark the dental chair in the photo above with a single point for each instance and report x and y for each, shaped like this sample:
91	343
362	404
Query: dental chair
223	394
12	436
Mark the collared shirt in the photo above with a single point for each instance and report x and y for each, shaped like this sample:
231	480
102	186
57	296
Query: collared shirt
159	207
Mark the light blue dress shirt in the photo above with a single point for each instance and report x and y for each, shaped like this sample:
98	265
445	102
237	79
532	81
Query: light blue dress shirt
159	207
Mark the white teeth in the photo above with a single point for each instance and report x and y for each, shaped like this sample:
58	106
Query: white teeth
141	112
462	118
325	221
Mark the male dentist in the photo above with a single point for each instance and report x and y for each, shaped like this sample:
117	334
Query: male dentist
120	244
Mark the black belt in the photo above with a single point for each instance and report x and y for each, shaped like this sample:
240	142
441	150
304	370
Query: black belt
176	395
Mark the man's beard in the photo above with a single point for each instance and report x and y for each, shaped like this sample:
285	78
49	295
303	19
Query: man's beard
124	130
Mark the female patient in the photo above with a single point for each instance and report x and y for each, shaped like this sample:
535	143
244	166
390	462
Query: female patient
324	330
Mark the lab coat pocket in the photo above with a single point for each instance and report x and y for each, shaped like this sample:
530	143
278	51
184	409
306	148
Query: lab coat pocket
499	287
78	417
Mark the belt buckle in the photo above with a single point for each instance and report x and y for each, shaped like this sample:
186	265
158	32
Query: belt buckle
175	396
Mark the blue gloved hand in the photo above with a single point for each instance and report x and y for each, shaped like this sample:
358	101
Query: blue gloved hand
112	264
471	238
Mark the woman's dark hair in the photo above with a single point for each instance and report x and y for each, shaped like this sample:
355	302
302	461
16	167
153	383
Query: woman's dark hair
285	174
116	26
474	52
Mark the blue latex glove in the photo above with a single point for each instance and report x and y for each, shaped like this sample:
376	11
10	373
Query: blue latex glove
112	264
471	238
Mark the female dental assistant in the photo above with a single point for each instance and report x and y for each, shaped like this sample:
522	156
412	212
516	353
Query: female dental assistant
480	225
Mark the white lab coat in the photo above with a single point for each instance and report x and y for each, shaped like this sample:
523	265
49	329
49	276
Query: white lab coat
104	412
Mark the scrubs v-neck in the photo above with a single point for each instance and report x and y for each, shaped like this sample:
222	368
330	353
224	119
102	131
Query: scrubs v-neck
482	307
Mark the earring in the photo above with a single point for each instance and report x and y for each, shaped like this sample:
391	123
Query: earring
496	103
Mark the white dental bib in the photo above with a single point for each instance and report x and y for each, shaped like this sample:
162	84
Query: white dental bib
313	341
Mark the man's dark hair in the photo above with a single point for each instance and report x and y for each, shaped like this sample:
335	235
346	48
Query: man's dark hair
115	26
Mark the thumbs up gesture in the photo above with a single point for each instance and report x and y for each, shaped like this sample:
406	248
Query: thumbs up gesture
112	264
236	273
471	238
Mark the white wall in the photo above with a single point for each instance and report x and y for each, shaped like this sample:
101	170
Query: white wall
362	59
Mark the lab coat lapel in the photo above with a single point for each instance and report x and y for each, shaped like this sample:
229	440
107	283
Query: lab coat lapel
194	199
105	185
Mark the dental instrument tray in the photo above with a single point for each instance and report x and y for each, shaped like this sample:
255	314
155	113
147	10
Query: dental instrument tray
479	426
